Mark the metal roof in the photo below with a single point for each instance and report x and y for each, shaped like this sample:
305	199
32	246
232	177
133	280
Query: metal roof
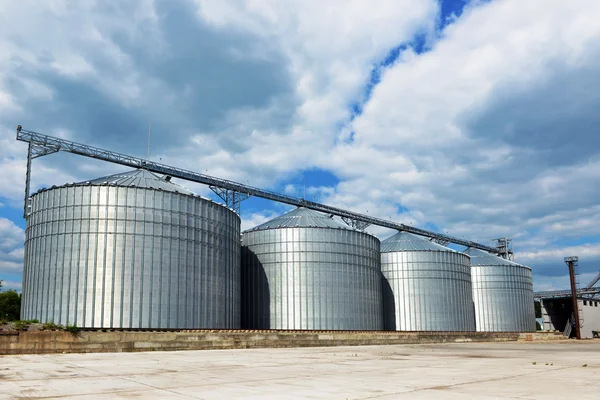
480	257
404	241
302	218
140	178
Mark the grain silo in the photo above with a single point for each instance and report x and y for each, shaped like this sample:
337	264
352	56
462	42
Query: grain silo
131	250
304	270
502	293
426	287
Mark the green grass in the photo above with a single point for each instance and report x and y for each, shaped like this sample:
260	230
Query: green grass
20	325
48	326
72	328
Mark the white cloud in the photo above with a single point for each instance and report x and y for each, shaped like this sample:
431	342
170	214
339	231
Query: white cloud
74	41
11	235
330	50
560	282
10	267
11	285
585	252
60	27
326	50
13	162
290	189
12	238
255	219
421	142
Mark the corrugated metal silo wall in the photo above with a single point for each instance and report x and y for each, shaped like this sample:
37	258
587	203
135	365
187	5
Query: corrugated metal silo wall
503	297
122	257
427	291
311	278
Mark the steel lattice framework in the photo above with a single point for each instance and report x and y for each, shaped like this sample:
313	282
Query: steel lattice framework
566	293
593	281
231	192
588	291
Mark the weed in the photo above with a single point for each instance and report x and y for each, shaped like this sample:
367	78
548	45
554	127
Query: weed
20	325
72	328
51	326
534	363
584	365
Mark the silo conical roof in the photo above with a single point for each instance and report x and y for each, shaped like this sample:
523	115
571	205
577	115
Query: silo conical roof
302	218
404	241
140	178
480	257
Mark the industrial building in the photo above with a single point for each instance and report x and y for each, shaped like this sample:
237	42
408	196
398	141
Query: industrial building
557	306
304	270
557	315
426	286
131	250
502	294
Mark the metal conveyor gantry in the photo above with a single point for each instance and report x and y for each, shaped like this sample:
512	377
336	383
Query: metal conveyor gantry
231	192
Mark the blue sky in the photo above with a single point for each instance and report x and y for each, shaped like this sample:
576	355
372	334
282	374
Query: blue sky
474	118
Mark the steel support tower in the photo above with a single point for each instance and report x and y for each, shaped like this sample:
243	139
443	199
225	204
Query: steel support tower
504	247
572	263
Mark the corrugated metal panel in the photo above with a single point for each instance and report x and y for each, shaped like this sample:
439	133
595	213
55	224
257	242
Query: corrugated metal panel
311	278
502	293
140	178
302	218
427	287
404	241
126	257
479	257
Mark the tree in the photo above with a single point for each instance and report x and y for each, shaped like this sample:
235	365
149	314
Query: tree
10	305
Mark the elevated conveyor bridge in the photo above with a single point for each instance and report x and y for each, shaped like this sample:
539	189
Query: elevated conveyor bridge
231	192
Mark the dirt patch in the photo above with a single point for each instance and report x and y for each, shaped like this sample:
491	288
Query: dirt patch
477	356
19	326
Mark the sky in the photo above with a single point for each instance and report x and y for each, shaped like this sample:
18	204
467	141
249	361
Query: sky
478	119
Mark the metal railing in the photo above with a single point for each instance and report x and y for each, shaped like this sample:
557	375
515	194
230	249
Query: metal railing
565	293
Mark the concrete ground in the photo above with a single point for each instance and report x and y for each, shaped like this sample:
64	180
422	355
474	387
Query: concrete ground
440	371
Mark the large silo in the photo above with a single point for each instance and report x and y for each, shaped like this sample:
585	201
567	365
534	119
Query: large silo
304	270
426	287
502	293
131	250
